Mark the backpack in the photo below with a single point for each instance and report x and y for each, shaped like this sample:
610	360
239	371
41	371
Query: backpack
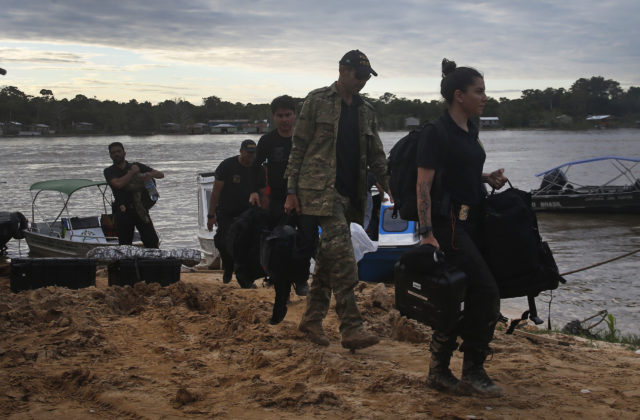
520	261
285	263
242	242
403	171
276	250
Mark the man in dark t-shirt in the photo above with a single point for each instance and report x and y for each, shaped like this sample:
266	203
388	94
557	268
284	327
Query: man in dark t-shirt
273	154
237	187
127	181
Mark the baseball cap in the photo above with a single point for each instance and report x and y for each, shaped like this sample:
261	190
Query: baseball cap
359	61
248	145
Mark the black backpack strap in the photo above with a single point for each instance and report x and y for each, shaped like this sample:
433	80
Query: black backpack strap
440	199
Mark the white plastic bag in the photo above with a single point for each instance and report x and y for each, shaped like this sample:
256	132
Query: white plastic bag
361	242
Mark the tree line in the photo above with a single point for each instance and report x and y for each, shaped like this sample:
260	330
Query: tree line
534	108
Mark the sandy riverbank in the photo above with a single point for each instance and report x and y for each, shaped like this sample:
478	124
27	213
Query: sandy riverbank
202	349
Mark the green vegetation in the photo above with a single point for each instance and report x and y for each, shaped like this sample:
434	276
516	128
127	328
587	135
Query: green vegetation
535	108
610	335
613	335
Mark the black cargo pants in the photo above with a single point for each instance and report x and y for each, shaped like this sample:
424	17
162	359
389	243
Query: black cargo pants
458	239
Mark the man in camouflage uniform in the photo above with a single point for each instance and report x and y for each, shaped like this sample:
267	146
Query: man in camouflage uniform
335	142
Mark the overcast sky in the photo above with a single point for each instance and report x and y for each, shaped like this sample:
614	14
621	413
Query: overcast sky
251	51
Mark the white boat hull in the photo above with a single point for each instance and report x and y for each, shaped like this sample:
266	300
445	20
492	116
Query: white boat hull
210	254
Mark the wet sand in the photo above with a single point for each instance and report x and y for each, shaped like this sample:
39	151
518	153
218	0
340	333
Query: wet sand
202	349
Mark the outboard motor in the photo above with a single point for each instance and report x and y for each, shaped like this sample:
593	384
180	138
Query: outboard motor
11	226
553	181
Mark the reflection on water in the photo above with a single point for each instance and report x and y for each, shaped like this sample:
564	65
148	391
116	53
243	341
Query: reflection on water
576	240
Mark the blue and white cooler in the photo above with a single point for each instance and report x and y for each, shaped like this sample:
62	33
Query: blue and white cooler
395	236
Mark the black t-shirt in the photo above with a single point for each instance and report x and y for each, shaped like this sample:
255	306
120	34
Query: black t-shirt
239	182
121	196
461	155
348	149
274	150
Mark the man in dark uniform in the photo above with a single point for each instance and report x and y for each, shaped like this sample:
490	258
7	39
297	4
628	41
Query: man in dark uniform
127	182
273	153
237	187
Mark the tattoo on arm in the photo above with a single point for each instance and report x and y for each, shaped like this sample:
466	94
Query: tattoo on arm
424	203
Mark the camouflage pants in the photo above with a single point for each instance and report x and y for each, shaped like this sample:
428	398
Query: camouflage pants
335	271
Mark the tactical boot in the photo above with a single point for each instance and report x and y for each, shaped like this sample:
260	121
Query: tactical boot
314	332
358	338
474	378
301	288
440	377
278	314
226	276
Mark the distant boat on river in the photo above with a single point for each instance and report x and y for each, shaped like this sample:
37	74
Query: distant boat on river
558	193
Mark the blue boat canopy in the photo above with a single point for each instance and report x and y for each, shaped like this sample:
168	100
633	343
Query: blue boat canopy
66	186
589	160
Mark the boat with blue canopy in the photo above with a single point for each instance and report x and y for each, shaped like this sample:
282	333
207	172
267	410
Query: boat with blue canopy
571	187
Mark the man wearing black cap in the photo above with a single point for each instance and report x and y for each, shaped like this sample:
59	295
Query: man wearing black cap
335	142
237	187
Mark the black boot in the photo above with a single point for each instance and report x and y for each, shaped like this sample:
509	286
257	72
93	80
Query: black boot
278	314
474	378
226	276
301	288
283	290
440	376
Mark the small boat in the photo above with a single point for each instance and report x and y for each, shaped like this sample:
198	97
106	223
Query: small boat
211	256
394	236
559	193
65	235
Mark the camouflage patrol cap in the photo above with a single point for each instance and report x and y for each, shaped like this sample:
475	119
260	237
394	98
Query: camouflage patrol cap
359	61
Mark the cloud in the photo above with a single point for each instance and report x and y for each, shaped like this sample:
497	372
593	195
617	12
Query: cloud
40	56
505	39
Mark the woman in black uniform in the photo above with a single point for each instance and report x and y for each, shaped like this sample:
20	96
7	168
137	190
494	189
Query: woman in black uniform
449	215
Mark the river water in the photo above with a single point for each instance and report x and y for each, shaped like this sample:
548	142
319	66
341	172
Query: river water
576	240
